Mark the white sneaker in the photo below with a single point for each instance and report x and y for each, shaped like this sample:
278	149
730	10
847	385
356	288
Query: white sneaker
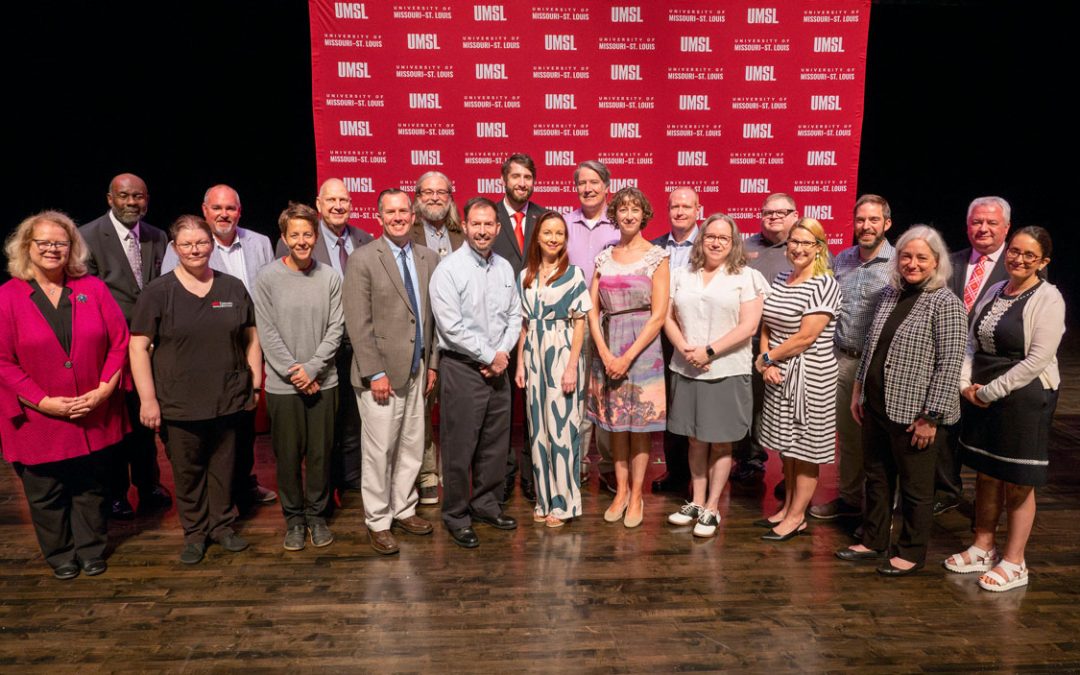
706	524
685	515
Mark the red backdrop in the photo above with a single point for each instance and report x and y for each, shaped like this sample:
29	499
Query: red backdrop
735	99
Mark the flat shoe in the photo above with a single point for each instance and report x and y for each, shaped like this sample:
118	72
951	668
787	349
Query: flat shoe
1015	577
539	518
614	516
851	555
773	535
554	522
629	522
888	570
980	561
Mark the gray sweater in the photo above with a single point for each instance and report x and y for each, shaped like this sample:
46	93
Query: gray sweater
298	316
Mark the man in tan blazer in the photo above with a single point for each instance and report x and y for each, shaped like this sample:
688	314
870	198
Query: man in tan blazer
389	321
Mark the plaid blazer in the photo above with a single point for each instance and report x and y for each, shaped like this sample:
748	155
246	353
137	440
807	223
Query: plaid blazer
922	368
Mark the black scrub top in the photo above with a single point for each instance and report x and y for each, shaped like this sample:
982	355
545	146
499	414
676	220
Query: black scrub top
200	368
59	317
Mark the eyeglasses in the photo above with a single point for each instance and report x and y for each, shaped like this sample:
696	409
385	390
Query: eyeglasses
1027	256
717	239
798	243
777	213
44	245
431	193
187	246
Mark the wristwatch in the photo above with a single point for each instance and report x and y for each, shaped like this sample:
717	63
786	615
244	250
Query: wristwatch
767	361
709	351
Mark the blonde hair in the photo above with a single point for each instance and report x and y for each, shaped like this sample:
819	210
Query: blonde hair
17	246
821	264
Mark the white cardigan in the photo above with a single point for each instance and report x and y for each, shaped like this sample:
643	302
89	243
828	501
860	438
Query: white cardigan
1044	324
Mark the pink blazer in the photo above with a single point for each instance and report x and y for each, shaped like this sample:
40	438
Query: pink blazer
33	365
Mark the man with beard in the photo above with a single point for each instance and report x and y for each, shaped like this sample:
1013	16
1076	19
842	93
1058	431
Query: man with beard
126	253
437	226
477	312
517	215
241	253
863	272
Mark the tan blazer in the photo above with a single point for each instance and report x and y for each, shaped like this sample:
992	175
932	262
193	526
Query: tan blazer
379	317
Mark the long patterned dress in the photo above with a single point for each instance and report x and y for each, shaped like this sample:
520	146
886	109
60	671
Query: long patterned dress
554	417
636	403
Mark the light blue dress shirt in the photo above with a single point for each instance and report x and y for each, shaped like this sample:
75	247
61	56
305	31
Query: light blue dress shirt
327	236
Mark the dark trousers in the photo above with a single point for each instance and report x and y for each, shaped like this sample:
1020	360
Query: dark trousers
203	456
676	447
748	449
243	474
302	433
947	481
887	455
134	459
346	458
67	507
513	462
474	428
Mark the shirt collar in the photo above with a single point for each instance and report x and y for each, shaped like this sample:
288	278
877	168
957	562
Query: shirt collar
121	229
480	260
236	242
396	250
884	252
975	255
329	235
689	241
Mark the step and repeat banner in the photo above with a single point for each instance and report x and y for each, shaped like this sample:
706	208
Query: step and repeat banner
735	99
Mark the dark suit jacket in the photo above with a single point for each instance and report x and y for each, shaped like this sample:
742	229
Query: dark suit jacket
506	243
959	260
108	260
419	237
322	247
379	316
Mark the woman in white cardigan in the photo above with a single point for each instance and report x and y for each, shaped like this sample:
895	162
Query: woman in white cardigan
1009	385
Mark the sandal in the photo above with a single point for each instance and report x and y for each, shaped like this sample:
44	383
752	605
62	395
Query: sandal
554	521
1015	577
539	517
978	560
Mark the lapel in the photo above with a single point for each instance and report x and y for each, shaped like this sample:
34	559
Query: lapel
146	248
42	326
420	257
392	271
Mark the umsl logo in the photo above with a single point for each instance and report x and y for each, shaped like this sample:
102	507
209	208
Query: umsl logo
757	131
424	41
626	15
693	43
761	15
692	158
426	158
564	43
625	130
363	184
559	102
619	183
622	71
349	10
491	130
760	74
818	102
353	69
753	185
491	71
823	212
559	157
488	13
821	158
354	127
694	102
424	101
489	185
829	44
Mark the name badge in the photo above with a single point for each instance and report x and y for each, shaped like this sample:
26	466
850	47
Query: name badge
218	304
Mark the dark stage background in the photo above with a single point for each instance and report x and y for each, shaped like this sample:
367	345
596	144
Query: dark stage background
962	99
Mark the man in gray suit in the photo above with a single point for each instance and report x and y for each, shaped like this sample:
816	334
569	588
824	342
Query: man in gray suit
126	253
385	300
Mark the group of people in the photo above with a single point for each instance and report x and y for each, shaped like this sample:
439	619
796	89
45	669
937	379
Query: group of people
726	344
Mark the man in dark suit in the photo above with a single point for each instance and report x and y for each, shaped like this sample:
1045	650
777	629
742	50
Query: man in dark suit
974	270
126	253
517	215
337	241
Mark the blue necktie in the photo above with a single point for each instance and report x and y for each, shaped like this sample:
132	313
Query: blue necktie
417	342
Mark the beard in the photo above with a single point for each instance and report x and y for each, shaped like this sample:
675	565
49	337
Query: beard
434	214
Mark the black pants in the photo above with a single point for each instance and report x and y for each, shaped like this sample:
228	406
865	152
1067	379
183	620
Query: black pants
203	456
302	433
947	481
474	428
748	449
346	458
887	455
243	474
134	459
676	447
513	463
67	507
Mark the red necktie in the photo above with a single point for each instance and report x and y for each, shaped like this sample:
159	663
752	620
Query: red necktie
971	291
519	231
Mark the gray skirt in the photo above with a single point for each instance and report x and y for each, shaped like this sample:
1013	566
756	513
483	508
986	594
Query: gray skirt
713	411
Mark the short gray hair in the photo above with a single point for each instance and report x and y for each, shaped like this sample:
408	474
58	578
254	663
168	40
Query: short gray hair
1006	210
596	166
933	239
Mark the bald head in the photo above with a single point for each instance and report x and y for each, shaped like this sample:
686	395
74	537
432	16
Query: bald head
221	208
334	205
683	210
128	198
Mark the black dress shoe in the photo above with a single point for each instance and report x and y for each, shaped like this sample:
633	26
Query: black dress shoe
66	571
157	499
670	482
465	537
851	555
766	523
94	567
773	535
121	509
501	521
233	543
888	570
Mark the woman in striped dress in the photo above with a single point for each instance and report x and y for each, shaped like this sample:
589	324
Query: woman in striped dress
798	419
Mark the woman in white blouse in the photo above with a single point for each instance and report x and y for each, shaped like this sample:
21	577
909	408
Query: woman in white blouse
715	309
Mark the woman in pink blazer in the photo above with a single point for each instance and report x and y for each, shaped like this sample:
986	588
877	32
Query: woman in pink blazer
63	344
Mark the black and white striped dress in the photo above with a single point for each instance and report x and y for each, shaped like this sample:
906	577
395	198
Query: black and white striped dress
798	419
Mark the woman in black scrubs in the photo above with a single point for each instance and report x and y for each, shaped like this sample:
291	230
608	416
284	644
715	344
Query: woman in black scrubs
205	367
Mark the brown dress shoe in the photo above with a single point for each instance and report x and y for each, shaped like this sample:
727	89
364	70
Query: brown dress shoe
413	525
383	542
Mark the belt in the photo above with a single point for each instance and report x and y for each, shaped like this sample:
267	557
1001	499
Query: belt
853	353
456	356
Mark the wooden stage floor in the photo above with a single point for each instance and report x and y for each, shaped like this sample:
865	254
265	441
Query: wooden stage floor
590	597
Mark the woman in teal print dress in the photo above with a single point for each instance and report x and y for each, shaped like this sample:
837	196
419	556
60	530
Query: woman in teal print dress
554	303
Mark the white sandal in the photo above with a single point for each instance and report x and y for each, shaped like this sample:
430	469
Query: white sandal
1015	577
980	561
